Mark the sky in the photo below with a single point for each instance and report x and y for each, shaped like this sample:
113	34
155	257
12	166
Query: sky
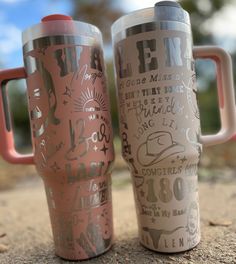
17	15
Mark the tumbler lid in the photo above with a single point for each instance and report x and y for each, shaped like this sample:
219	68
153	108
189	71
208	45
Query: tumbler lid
168	3
56	17
168	11
61	25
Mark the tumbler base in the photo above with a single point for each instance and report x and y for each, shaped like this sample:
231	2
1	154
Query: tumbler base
169	252
76	258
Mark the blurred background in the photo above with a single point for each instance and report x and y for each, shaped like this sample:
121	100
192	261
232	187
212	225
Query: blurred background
213	22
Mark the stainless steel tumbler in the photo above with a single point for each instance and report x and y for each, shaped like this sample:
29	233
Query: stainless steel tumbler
159	120
71	131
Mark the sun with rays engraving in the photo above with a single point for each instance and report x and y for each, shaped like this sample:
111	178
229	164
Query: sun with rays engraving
90	101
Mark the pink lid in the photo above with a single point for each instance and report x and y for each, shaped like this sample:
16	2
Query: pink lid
55	17
57	25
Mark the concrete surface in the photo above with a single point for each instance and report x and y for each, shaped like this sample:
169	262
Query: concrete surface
25	234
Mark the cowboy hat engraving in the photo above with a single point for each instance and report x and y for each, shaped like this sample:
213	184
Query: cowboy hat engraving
158	146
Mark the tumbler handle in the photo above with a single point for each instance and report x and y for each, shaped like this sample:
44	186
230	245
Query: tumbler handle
225	89
7	146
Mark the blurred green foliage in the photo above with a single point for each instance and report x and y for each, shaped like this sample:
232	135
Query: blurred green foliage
200	11
112	94
101	13
19	113
209	111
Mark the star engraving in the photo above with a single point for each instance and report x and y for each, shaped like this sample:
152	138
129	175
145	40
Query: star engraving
95	148
55	167
104	149
67	92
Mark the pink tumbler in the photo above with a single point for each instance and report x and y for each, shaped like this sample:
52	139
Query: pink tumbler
71	131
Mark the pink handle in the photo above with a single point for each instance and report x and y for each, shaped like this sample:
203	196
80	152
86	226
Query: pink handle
7	147
225	87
